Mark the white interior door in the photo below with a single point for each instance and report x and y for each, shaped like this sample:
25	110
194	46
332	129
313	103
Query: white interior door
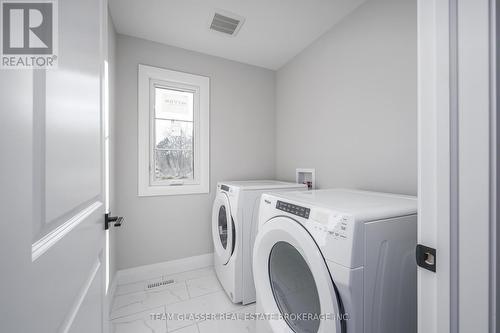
51	192
457	164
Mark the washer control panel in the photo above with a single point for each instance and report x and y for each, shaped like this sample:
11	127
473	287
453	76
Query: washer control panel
227	189
335	224
338	226
293	209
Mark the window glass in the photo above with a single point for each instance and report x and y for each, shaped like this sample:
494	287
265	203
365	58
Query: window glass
223	226
173	104
173	122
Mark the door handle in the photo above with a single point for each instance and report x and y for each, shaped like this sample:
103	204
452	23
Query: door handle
116	220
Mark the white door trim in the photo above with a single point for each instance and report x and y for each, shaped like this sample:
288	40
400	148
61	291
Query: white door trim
474	105
434	150
494	169
457	171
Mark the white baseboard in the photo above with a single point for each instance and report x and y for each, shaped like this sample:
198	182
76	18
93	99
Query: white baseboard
145	272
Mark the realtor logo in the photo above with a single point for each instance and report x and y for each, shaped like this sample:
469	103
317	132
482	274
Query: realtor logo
29	34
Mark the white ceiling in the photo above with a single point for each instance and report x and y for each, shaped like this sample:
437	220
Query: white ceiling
273	33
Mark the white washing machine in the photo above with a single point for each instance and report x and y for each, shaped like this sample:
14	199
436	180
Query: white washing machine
234	226
336	261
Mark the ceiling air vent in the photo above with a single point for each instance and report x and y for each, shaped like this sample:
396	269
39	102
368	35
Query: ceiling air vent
226	23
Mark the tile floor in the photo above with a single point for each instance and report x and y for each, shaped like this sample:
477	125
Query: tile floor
192	292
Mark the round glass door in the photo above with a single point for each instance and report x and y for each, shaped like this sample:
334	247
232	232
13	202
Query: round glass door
222	224
294	289
292	280
222	228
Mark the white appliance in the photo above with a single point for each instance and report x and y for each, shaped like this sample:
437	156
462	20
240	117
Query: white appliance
345	257
234	226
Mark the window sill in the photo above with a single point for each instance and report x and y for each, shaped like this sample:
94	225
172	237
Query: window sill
150	191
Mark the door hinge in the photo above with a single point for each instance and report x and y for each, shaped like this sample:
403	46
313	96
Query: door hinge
117	220
426	257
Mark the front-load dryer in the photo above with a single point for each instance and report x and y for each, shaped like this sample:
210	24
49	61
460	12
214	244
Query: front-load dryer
336	261
234	226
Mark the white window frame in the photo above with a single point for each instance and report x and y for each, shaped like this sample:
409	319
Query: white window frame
150	77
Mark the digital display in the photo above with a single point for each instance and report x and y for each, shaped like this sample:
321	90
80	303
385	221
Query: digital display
293	209
224	188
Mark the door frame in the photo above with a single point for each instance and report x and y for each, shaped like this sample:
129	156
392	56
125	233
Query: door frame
105	156
458	146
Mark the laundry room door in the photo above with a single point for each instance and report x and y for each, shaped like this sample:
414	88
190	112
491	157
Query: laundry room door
458	170
51	182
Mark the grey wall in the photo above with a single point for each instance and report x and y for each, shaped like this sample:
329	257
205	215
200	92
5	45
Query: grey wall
242	137
347	105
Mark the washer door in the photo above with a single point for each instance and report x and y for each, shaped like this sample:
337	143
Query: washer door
223	228
292	279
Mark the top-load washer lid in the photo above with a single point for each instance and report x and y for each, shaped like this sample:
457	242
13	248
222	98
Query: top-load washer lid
293	280
223	231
